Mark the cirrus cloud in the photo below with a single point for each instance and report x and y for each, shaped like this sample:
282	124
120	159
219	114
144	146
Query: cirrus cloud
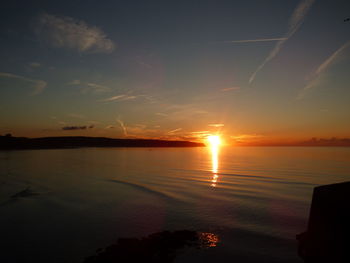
216	125
121	97
230	89
67	32
75	128
89	87
39	85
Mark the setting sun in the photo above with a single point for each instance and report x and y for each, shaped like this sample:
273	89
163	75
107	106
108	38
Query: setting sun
214	140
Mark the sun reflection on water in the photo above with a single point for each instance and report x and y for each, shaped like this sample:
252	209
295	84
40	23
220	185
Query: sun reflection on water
208	240
214	142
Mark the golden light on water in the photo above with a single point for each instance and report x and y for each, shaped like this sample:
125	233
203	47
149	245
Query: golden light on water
214	142
215	165
208	239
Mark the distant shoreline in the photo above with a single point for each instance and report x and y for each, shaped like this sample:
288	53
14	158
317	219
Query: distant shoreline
71	142
293	145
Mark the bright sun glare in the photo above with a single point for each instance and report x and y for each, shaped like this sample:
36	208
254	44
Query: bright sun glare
214	140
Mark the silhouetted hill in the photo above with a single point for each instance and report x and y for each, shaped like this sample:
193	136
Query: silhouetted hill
13	143
327	142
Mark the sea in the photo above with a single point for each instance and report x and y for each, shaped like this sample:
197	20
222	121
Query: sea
61	205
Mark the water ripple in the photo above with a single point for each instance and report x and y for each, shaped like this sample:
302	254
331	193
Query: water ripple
145	189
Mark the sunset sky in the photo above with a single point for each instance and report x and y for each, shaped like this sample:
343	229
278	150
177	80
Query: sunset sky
249	70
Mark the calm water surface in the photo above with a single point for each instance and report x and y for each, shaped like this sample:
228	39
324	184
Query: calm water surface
255	200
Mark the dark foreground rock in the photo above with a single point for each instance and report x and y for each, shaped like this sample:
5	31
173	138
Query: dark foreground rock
25	193
327	238
161	247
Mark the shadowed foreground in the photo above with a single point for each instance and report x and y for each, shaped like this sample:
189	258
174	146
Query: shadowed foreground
327	238
157	247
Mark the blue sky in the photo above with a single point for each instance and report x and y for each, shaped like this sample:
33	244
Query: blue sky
250	70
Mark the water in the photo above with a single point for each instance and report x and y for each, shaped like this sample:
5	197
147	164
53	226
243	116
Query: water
254	199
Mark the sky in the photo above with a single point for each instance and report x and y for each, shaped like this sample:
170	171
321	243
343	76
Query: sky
249	70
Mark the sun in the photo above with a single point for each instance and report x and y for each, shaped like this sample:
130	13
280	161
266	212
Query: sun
214	140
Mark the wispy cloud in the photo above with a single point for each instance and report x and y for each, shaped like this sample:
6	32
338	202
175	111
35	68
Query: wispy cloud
295	22
75	82
174	131
200	132
76	115
97	87
144	64
245	137
216	125
191	136
118	97
142	131
197	135
87	87
332	59
94	122
181	112
121	123
251	40
162	114
34	64
67	32
230	89
121	97
75	128
39	85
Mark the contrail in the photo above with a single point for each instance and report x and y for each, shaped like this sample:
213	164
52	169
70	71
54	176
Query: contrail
323	67
295	21
250	40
